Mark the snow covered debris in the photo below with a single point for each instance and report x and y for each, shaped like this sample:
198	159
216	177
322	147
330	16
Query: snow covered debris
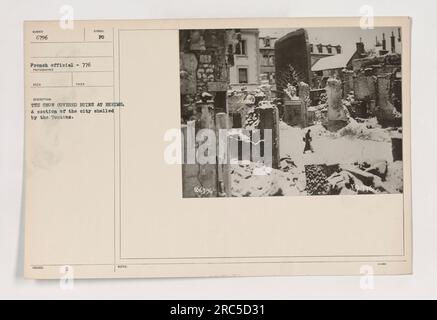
368	130
245	183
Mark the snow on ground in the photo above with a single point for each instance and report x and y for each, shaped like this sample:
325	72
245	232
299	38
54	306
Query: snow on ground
250	181
368	130
355	143
330	148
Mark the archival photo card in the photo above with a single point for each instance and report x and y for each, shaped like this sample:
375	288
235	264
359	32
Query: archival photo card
217	147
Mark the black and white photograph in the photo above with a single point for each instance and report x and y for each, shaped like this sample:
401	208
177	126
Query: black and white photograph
291	112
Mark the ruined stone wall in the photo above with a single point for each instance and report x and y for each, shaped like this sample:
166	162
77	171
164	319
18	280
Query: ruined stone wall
206	57
205	71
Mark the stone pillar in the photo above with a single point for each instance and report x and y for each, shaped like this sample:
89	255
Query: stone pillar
208	172
223	170
188	66
336	115
206	115
372	107
190	170
269	119
386	108
304	95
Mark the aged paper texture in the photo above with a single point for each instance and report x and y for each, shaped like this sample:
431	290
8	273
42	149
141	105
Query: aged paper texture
203	148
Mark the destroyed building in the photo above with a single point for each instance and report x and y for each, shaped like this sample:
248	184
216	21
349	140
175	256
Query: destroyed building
333	66
205	58
246	69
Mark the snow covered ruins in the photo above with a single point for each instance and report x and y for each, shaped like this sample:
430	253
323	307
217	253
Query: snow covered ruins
275	112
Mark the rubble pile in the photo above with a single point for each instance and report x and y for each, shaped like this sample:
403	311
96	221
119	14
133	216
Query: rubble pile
368	129
365	129
366	178
316	180
286	164
395	176
254	180
377	168
252	119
